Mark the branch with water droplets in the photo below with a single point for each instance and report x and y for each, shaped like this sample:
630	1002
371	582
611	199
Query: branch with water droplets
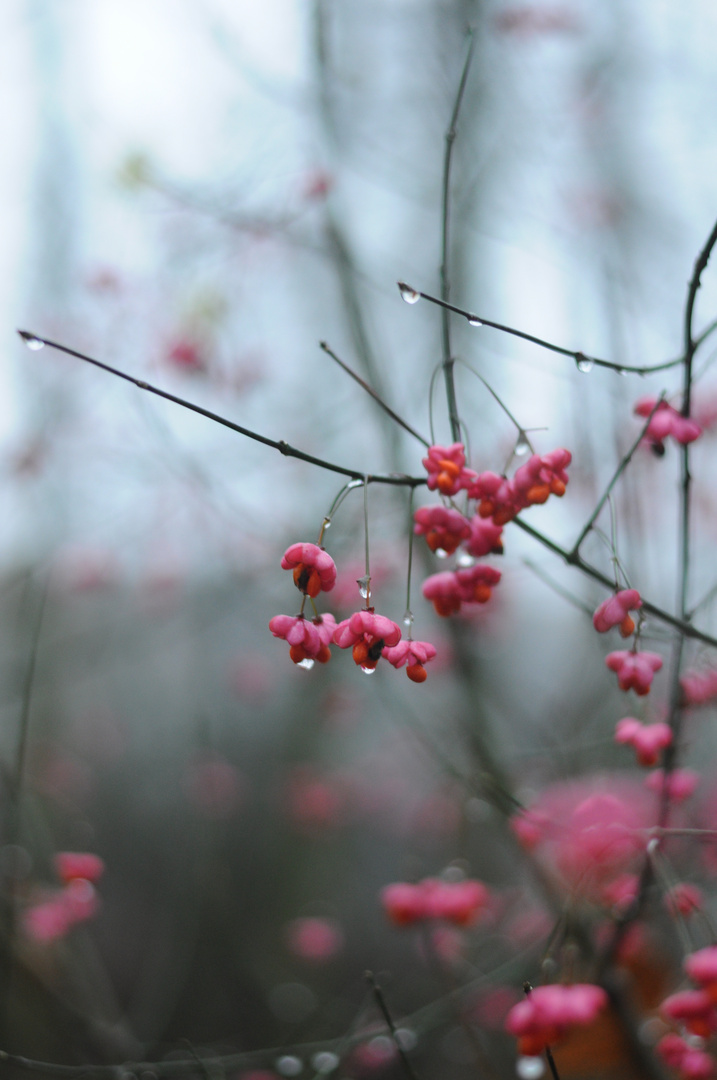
584	362
35	342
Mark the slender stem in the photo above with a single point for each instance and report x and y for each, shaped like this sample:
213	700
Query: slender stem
616	476
577	356
448	360
492	392
374	394
381	1002
367	578
551	1063
283	447
411	538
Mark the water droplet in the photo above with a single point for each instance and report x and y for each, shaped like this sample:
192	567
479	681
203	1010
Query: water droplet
327	523
408	294
325	1062
368	670
289	1065
306	664
583	363
529	1068
464	559
473	320
408	618
364	584
620	371
454	872
31	341
522	446
354	484
406	1038
440	553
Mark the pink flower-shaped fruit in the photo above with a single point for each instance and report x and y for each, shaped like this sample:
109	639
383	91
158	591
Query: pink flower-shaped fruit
685	899
443	527
694	1009
485	537
446	467
701	966
404	903
646	739
467	585
615	612
70	865
698	687
548	1012
414	654
666	421
635	671
314	569
680	783
367	634
308	639
458	902
317	940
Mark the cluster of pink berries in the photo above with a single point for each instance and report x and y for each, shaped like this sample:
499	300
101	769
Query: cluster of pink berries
368	635
548	1013
635	670
52	917
694	1014
498	500
698	687
457	902
666	422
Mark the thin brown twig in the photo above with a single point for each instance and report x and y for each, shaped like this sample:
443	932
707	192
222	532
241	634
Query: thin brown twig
373	393
283	447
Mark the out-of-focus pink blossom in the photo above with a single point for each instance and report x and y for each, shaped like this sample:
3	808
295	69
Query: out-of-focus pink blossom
457	902
615	611
685	899
690	1062
694	1009
314	939
317	185
549	1012
590	831
314	570
531	20
666	421
621	893
187	355
314	802
680	783
648	740
635	670
701	966
214	786
70	865
699	687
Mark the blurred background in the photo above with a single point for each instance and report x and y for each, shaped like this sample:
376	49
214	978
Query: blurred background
198	192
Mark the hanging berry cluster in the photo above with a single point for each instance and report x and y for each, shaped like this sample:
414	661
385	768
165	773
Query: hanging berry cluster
370	636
